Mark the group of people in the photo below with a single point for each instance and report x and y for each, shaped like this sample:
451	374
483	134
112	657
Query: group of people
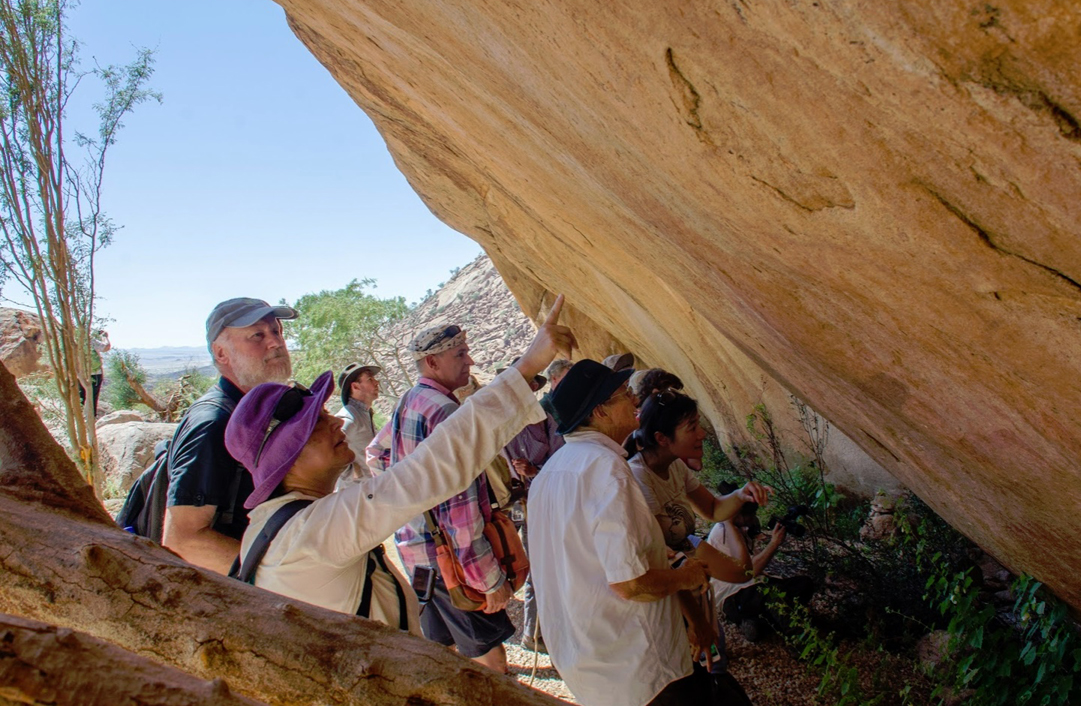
617	573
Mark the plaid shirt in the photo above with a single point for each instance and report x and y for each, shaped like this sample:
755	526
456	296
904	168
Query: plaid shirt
536	444
462	517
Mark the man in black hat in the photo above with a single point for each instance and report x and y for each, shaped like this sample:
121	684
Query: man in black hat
604	584
359	388
205	516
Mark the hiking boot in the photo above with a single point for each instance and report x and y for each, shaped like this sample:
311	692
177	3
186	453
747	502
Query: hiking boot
538	646
750	630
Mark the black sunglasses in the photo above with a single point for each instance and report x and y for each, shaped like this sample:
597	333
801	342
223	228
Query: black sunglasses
288	406
448	332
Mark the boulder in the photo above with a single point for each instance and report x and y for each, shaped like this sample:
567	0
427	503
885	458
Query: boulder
931	648
127	449
120	416
20	341
871	206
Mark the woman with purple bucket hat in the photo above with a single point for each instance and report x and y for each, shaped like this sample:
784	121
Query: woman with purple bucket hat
329	553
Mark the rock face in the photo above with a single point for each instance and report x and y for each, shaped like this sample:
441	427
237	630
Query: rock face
127	449
20	336
870	205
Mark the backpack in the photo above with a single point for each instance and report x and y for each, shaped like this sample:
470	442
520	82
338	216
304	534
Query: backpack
143	512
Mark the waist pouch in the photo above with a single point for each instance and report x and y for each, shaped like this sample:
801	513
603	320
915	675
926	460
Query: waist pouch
507	548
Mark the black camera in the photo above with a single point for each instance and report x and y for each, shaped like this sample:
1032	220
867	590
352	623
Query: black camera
423	583
790	521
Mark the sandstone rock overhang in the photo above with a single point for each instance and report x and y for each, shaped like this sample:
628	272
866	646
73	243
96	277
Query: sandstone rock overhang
873	204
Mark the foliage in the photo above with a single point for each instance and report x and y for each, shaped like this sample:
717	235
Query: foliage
840	679
1029	655
118	366
182	391
343	326
169	398
50	202
40	390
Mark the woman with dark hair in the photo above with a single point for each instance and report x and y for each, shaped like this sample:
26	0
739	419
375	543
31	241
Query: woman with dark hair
668	435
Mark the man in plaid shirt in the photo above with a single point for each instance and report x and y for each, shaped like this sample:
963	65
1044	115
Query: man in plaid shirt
442	357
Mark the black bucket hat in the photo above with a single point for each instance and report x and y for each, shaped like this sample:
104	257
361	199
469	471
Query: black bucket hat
586	385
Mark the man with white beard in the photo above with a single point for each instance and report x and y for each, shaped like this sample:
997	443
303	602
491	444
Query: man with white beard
205	516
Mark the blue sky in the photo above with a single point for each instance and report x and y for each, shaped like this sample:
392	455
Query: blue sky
257	176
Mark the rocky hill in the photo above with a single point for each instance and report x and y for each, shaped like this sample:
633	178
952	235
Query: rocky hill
476	299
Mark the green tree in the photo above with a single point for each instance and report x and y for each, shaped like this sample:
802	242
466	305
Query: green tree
338	327
51	187
169	398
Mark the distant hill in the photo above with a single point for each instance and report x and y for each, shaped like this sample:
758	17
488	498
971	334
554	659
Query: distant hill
167	361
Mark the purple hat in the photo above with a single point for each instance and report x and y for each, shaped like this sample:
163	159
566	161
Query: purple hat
270	427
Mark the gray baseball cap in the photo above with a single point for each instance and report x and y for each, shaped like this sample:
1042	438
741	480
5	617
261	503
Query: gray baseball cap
241	312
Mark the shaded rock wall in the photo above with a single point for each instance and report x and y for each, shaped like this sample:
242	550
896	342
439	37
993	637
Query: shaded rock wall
871	205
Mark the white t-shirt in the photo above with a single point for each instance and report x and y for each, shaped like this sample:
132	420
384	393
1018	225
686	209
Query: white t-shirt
668	496
722	590
589	527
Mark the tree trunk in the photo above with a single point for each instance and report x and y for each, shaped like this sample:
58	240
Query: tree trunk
64	562
145	397
43	664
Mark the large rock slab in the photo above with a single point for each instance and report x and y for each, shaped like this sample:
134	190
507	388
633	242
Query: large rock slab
20	342
127	449
870	205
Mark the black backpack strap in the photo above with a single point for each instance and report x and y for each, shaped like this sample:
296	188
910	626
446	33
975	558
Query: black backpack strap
227	517
246	571
378	556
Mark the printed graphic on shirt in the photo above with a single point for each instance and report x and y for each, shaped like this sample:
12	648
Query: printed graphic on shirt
680	526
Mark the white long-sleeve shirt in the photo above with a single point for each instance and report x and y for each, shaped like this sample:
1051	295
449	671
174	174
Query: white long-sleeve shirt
321	554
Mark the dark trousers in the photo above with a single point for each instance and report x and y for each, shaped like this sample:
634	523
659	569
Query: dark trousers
693	690
95	384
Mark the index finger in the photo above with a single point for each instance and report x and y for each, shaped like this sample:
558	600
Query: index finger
553	315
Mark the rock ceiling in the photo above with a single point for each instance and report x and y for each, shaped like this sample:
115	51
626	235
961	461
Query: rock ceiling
873	206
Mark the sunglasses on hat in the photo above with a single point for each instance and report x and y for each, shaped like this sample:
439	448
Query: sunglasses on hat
291	402
449	332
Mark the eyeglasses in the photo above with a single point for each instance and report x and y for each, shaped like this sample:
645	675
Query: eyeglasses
291	402
624	392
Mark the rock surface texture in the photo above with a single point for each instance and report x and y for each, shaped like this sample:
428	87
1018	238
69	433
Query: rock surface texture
20	337
127	449
870	205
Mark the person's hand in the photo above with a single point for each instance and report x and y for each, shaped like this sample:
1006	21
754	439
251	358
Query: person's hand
701	633
498	599
695	464
695	577
524	468
755	492
779	533
551	340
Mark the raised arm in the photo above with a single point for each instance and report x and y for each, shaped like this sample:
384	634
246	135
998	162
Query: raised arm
720	509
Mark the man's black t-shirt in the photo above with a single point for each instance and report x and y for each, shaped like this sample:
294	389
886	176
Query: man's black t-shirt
201	471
